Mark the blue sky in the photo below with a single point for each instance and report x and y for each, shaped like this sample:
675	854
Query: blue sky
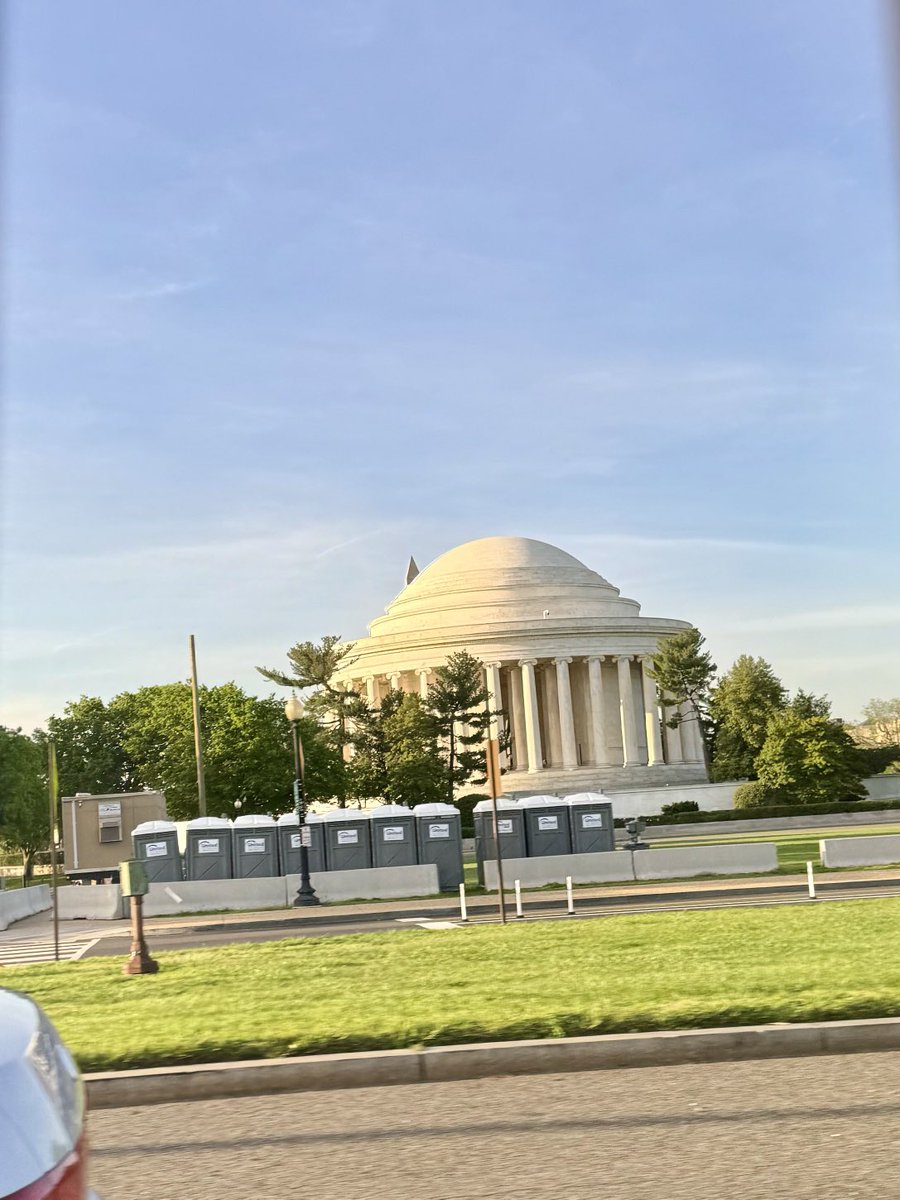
297	289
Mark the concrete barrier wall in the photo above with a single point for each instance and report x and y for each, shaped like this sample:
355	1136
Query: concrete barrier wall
23	902
883	787
612	867
371	883
766	825
681	862
207	895
94	902
859	851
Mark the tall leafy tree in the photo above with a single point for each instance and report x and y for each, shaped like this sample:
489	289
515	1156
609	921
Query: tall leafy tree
90	748
458	701
684	673
808	758
741	704
396	755
313	665
24	807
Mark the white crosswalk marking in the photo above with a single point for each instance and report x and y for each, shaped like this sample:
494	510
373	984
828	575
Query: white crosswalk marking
19	951
426	923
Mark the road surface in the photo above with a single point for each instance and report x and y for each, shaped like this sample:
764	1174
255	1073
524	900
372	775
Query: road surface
797	1129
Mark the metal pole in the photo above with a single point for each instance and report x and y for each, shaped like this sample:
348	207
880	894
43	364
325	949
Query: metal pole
464	915
518	899
139	961
306	894
570	899
53	790
810	881
198	738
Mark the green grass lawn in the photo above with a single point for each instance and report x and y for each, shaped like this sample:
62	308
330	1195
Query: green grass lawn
552	979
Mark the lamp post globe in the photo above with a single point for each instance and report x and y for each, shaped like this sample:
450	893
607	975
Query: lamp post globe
293	710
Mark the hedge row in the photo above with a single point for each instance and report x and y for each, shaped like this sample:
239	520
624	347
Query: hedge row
758	814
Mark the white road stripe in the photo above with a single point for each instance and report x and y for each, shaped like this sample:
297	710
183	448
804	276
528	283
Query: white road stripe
39	950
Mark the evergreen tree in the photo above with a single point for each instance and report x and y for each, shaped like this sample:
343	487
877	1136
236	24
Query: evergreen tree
458	700
741	704
684	672
396	754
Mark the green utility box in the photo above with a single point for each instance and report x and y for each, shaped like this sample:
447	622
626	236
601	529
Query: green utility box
133	878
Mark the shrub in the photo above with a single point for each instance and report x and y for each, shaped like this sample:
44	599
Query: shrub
752	795
466	804
680	806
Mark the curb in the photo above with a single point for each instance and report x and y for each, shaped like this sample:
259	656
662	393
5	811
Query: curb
442	1064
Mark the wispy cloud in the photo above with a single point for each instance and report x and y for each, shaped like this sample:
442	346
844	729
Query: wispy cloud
159	291
859	616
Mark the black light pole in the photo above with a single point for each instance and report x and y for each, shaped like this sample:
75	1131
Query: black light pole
306	895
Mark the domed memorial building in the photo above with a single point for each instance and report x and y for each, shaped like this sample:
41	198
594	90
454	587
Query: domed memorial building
565	657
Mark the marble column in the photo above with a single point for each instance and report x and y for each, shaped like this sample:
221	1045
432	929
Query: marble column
566	714
517	704
651	715
371	691
492	678
553	743
626	711
423	682
599	748
396	681
532	724
691	737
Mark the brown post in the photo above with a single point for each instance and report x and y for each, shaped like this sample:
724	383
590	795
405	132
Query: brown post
139	961
495	787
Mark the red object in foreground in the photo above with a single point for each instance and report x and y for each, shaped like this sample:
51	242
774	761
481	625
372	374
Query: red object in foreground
43	1145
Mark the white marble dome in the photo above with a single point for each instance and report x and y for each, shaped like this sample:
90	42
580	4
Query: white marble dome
563	651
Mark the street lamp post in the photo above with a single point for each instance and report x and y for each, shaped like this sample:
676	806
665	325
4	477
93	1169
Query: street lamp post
306	895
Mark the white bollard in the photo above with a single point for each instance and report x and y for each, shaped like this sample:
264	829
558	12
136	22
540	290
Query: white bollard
811	883
518	899
569	897
462	902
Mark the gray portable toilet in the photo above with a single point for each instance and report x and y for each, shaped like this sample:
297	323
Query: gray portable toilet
439	839
546	825
155	844
255	847
510	826
591	823
289	843
348	839
208	849
393	836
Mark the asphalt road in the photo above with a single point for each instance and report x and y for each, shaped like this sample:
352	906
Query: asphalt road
801	1129
316	924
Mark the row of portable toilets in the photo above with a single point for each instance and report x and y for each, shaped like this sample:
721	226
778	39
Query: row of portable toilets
542	825
343	839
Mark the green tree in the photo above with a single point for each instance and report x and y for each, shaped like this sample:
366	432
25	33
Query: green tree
90	751
741	704
458	702
808	758
314	665
396	755
24	805
684	673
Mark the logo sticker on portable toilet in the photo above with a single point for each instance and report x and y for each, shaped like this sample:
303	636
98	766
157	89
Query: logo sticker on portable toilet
547	823
208	846
155	849
348	837
439	831
505	826
255	845
592	820
394	833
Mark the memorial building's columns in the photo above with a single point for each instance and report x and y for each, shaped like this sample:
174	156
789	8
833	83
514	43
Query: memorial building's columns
651	715
626	711
691	737
492	675
423	682
395	680
566	714
553	740
371	691
599	748
532	724
517	704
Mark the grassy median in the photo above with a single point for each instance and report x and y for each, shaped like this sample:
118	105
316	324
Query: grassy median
548	979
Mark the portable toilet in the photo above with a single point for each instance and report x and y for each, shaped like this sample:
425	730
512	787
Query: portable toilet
439	839
510	826
155	844
289	843
546	825
348	839
591	823
255	847
208	850
393	836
